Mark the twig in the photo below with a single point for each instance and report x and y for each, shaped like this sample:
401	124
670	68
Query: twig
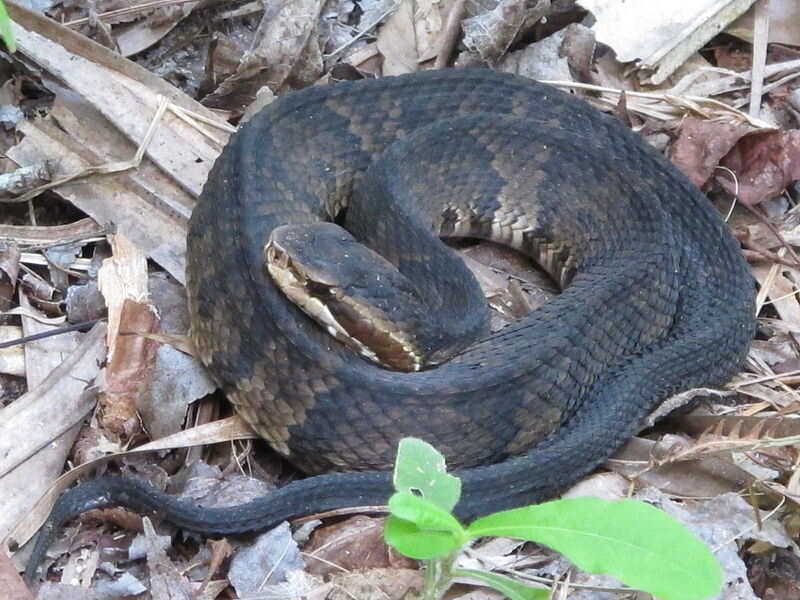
129	10
760	36
46	334
693	103
450	33
365	31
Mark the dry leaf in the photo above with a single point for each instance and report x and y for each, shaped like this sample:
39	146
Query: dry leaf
165	580
659	37
10	581
132	38
9	269
702	143
376	584
33	434
356	543
489	34
412	34
784	23
177	378
541	60
764	164
279	48
706	477
266	561
12	359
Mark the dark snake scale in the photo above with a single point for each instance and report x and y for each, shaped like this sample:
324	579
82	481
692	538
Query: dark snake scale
659	298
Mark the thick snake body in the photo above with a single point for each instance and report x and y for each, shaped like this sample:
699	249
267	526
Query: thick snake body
658	299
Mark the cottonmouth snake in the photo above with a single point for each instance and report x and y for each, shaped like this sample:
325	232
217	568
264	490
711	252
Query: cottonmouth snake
659	298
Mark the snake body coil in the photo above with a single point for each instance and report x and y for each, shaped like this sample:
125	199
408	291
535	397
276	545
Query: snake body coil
659	298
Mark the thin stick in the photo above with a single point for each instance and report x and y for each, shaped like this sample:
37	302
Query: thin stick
46	334
450	32
760	35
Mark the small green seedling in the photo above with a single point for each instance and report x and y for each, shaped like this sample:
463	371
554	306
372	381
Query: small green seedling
6	34
636	543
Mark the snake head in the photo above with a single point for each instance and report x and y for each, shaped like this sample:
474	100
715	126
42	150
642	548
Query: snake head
353	293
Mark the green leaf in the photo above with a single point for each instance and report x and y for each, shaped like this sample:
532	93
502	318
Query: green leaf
505	585
411	541
424	513
420	529
640	545
419	466
6	33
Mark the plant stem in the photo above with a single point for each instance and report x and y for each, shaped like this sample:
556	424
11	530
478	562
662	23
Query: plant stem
438	576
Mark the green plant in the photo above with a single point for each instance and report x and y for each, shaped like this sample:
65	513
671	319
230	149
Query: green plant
638	544
6	34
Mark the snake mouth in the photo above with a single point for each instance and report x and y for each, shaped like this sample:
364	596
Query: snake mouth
353	321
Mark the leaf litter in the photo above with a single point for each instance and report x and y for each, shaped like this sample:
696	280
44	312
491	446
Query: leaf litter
86	125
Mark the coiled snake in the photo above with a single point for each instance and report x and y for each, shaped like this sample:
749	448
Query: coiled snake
658	299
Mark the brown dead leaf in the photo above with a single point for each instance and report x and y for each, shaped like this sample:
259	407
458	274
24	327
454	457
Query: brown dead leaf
60	591
266	561
33	434
706	477
784	23
10	581
9	268
44	236
223	57
281	47
129	369
556	57
43	356
775	573
776	284
512	285
132	38
776	426
764	163
376	584
779	349
155	227
366	60
12	358
702	143
220	550
166	582
356	543
177	378
490	33
761	235
412	35
733	58
123	282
